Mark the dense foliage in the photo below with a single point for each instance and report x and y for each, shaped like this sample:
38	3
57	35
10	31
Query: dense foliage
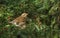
43	18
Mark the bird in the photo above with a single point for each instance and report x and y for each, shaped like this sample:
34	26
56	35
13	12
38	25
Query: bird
20	21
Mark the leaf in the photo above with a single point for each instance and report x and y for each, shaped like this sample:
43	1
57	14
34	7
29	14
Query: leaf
53	22
53	9
52	0
46	4
38	29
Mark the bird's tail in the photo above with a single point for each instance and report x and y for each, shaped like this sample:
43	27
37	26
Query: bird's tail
11	22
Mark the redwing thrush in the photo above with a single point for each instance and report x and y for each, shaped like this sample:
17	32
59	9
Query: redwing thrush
20	21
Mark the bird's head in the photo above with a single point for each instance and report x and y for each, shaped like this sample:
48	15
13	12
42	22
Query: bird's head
24	14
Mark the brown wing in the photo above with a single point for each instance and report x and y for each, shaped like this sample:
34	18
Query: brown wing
21	18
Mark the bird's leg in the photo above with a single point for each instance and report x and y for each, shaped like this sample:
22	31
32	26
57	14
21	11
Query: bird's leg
22	25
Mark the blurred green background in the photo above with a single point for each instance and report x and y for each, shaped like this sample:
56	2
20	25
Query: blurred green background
46	12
